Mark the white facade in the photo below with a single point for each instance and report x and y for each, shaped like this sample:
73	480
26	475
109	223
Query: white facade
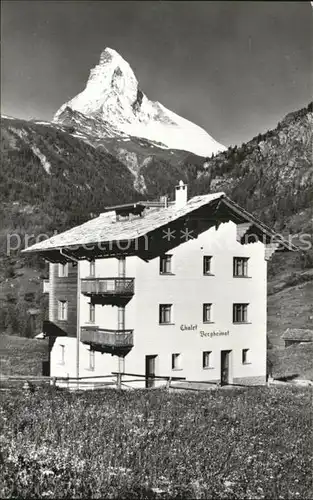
187	336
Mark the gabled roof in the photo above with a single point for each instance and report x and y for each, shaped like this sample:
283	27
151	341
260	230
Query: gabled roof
299	334
106	228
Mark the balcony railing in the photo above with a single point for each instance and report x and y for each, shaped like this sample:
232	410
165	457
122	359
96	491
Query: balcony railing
104	338
107	286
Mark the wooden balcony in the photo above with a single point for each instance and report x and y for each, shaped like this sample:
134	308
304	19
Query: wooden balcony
108	290
117	342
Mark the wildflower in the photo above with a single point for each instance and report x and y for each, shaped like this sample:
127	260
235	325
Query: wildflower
48	473
158	491
228	484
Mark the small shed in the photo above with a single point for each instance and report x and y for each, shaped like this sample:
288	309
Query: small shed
296	336
293	362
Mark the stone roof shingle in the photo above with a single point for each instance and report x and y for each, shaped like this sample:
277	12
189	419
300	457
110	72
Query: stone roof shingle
106	228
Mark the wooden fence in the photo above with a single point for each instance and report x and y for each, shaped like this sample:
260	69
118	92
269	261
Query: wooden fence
114	380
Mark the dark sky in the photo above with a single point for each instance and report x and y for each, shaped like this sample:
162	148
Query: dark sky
234	68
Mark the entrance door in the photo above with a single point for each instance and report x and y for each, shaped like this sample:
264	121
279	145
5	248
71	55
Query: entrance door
150	370
225	367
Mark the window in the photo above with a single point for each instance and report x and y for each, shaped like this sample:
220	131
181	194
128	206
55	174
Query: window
176	361
91	360
92	268
166	264
207	359
207	259
240	266
165	314
62	354
92	312
207	309
240	313
62	310
245	356
63	270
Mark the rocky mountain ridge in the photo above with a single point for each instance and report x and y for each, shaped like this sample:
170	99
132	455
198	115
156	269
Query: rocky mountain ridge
112	95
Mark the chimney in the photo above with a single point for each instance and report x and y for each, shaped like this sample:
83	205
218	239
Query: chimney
180	195
164	201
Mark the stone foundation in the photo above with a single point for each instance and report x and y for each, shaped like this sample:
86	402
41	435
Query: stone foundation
261	380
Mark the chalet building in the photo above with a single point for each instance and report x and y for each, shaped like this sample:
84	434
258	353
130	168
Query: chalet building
168	288
297	336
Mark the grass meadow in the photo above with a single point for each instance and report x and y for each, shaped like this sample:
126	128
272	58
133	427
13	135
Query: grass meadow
241	443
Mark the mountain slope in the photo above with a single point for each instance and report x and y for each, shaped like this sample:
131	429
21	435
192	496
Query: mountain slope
133	152
112	94
272	174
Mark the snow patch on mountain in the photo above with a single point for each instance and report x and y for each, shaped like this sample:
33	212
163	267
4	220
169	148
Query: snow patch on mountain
43	160
131	160
112	95
21	133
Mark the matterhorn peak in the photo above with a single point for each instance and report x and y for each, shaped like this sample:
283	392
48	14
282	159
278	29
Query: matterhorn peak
112	62
112	94
109	54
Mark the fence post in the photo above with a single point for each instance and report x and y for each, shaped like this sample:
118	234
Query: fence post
54	381
119	380
168	383
27	387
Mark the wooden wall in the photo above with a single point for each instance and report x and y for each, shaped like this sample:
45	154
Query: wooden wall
63	289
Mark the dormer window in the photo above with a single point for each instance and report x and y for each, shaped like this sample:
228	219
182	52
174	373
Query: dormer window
126	211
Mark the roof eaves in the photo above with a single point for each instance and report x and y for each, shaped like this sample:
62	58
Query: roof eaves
261	226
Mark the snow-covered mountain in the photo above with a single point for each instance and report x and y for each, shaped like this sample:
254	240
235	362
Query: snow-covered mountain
113	95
